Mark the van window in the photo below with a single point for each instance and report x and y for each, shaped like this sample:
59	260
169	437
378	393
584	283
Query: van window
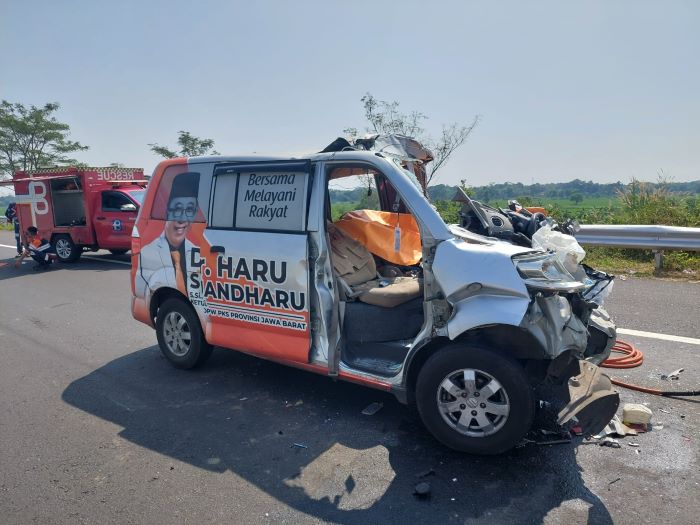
352	188
224	200
272	200
271	197
182	195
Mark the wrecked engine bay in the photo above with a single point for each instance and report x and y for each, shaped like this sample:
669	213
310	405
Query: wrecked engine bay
588	335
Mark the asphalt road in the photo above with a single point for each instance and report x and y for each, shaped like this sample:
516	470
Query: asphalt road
96	427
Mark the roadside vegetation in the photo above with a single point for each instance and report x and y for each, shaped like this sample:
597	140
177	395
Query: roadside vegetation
662	202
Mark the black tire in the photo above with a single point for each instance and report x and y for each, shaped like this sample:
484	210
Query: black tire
493	432
174	347
66	250
118	252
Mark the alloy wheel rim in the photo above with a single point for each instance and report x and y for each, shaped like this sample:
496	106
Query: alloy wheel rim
472	402
63	248
176	333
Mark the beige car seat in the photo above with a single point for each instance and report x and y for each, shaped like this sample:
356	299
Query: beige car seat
357	272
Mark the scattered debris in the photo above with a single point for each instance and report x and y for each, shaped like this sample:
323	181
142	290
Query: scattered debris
633	444
426	473
422	490
576	430
545	404
658	426
633	413
299	445
612	482
454	480
641	429
560	441
672	375
664	411
689	271
372	409
617	428
243	399
609	442
622	277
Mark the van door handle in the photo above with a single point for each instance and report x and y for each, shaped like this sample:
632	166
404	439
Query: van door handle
217	249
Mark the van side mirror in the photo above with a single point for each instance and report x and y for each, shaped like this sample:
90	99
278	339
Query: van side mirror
127	207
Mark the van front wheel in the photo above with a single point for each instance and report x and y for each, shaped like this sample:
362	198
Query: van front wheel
180	335
474	400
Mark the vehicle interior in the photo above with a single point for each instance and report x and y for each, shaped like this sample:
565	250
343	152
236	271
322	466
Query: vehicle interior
68	204
376	255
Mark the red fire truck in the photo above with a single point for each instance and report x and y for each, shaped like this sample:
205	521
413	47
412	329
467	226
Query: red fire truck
80	209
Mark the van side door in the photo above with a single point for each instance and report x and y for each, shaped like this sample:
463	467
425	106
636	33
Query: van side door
252	271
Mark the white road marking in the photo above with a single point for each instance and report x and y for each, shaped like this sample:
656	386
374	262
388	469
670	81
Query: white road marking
93	257
663	337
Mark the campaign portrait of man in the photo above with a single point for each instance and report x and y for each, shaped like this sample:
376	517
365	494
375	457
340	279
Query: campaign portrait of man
164	260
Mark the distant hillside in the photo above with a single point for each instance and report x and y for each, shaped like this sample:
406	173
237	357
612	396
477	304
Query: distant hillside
554	190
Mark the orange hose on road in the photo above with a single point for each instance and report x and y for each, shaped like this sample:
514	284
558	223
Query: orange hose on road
632	358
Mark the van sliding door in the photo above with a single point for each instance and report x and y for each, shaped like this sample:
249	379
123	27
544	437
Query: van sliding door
252	270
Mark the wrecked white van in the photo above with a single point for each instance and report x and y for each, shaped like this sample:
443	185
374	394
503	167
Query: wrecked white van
251	254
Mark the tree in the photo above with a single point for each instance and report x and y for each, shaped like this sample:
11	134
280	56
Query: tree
190	146
31	137
576	197
386	118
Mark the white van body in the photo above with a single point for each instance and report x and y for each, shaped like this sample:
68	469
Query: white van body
258	275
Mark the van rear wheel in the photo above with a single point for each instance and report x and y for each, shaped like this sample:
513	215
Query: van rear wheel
474	400
66	250
180	335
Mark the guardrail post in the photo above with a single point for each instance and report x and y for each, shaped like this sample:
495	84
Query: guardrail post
658	260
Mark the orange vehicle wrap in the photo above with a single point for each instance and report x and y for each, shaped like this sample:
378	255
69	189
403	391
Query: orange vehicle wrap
252	296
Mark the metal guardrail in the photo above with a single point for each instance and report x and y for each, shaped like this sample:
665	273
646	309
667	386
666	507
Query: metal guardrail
649	237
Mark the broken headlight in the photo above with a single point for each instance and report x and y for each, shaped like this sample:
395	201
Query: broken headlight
543	271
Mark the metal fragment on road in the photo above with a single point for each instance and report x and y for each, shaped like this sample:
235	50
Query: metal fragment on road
673	375
372	409
299	445
613	482
609	442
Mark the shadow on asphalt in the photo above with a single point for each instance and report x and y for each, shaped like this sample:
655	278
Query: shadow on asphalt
243	414
94	262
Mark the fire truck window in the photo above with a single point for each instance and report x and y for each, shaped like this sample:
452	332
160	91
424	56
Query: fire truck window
224	201
114	201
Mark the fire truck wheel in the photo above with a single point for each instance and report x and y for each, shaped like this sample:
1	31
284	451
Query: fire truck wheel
180	334
118	252
66	250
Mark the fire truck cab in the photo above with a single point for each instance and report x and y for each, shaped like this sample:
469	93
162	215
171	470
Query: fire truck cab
81	209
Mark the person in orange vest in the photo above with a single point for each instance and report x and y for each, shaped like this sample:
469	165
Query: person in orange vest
38	249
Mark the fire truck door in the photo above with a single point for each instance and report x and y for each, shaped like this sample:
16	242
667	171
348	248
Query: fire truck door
114	219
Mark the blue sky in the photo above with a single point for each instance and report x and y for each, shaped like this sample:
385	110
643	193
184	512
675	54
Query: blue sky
601	91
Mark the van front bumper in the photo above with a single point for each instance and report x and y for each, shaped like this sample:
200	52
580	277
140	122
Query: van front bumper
592	400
